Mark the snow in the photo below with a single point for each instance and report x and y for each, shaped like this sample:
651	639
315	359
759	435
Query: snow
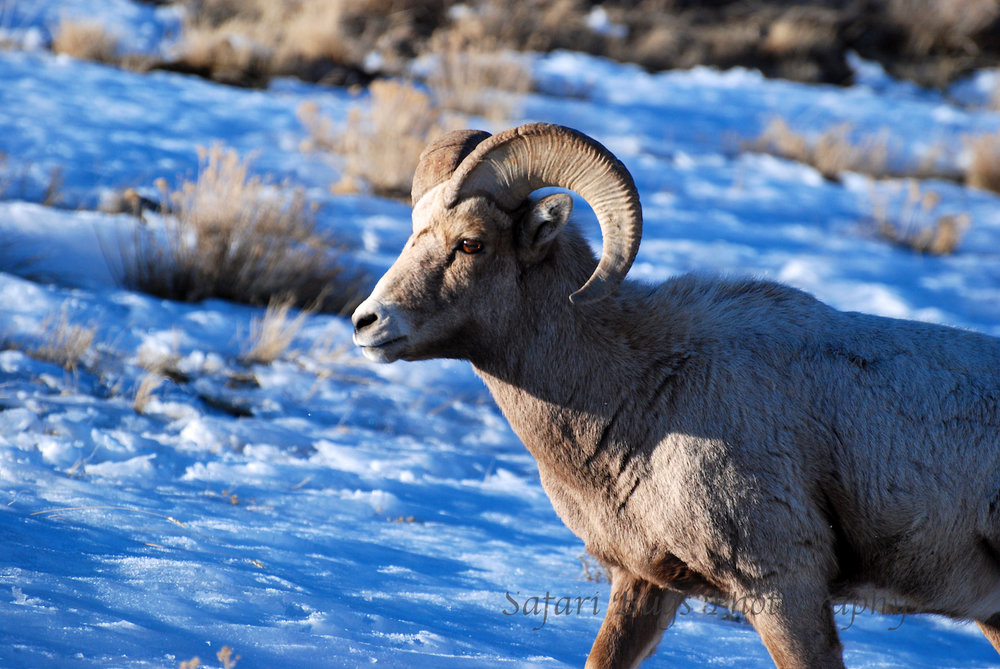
137	27
599	21
365	514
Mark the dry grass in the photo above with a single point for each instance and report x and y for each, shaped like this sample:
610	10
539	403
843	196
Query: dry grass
64	343
593	571
983	170
475	76
272	334
85	40
145	391
800	30
915	223
909	220
226	656
837	150
246	42
52	195
163	363
238	237
530	26
833	152
223	56
382	141
343	42
323	133
17	180
943	24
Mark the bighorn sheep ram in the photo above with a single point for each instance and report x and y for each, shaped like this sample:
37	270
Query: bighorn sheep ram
723	438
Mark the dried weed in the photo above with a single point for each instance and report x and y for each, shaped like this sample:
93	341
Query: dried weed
239	237
85	40
381	141
65	343
272	334
915	224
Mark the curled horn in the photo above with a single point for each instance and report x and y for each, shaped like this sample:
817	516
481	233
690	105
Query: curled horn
510	165
438	161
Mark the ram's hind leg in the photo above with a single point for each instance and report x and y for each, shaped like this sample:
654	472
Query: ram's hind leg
637	615
991	629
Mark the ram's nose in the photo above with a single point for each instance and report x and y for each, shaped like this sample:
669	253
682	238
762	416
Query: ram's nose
364	316
370	317
380	330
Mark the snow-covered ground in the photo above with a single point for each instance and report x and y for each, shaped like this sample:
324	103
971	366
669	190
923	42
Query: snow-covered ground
356	514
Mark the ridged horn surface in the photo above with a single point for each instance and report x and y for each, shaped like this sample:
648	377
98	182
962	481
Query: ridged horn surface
510	165
438	161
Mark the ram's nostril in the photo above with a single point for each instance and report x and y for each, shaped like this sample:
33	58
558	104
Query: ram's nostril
364	320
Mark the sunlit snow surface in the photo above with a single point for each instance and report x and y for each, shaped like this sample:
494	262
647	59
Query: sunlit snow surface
382	514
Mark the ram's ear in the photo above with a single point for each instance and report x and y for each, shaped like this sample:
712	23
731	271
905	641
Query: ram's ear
542	224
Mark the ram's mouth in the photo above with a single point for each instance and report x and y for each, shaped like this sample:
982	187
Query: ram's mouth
387	350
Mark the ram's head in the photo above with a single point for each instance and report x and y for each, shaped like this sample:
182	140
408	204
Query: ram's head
477	235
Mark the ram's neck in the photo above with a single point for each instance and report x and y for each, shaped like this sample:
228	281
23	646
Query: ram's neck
576	381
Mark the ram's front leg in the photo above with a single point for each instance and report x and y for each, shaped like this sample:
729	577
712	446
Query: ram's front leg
797	627
991	628
637	615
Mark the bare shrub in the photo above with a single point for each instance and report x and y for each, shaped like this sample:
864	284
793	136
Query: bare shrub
382	141
323	134
537	25
272	333
475	76
223	55
349	41
838	149
85	40
949	24
218	12
983	170
336	41
64	343
915	224
801	30
831	153
349	32
241	238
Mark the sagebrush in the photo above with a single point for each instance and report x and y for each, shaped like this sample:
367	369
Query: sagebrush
983	169
381	140
86	40
476	76
912	221
832	152
239	237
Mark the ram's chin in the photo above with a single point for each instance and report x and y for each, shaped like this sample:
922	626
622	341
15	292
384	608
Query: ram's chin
385	353
376	354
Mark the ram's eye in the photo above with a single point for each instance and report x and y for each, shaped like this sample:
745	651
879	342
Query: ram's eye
471	246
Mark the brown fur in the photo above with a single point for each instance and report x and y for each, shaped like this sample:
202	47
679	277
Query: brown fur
737	439
991	628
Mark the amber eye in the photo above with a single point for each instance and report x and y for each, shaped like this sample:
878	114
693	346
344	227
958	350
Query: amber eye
471	246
